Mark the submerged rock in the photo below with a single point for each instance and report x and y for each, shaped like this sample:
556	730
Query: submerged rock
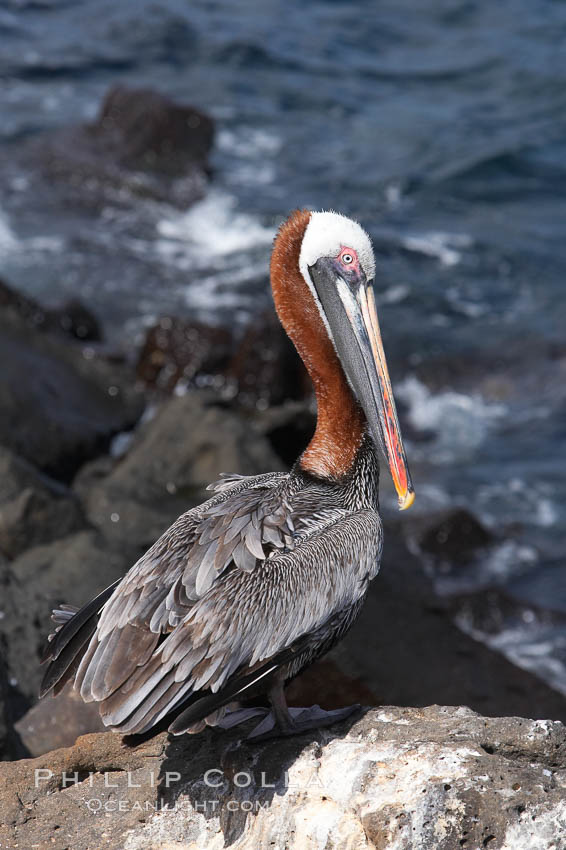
144	129
401	779
455	534
183	350
142	144
72	318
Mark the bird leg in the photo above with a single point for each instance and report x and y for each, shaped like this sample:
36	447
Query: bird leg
236	716
284	722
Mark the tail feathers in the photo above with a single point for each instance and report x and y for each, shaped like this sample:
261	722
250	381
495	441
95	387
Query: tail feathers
241	687
63	614
60	616
67	643
60	665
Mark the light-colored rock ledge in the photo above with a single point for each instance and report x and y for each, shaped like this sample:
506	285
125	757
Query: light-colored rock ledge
394	779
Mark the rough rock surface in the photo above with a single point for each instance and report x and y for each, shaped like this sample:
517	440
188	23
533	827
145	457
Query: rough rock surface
393	779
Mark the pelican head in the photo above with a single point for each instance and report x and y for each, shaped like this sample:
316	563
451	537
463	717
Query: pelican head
337	264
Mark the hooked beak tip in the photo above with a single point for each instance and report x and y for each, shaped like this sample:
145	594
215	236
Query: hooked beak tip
406	500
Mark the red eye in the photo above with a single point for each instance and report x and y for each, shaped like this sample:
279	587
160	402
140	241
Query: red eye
348	258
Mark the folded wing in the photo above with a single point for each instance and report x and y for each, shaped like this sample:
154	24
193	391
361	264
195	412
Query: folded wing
225	591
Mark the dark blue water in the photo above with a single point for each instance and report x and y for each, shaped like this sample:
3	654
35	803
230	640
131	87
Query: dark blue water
440	126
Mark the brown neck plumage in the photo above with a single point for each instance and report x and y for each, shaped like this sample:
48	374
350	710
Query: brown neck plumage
340	422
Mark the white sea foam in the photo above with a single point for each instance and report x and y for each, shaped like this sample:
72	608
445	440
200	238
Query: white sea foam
459	422
496	566
393	294
224	289
535	647
393	194
44	244
8	240
20	249
210	230
225	248
465	305
252	153
446	247
516	499
249	142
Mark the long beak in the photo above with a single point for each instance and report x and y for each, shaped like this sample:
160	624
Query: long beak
387	412
352	318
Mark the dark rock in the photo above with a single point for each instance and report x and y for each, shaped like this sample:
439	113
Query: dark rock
71	570
325	684
168	467
35	517
76	320
288	428
438	777
146	130
72	318
17	474
266	369
262	371
408	650
142	144
180	349
491	611
33	508
59	408
455	535
12	705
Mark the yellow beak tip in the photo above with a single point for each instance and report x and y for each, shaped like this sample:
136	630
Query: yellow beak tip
406	500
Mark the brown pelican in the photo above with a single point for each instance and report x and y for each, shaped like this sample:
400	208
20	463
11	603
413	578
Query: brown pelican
244	591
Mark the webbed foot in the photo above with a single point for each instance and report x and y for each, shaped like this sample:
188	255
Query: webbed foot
298	721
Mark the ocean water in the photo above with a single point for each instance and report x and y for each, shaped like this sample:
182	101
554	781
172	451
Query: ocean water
440	126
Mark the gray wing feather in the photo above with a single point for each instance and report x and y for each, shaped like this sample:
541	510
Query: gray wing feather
178	570
251	616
